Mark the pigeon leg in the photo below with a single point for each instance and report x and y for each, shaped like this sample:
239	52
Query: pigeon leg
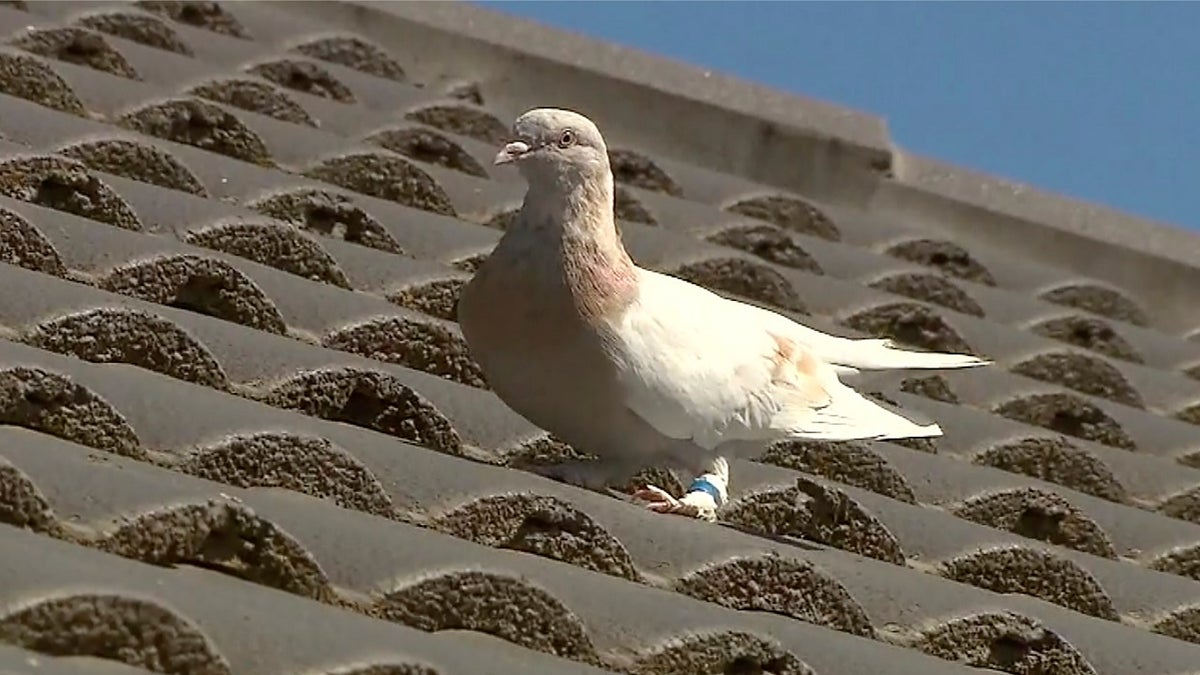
694	504
705	495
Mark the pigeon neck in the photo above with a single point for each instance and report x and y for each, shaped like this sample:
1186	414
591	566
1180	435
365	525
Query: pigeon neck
591	261
577	211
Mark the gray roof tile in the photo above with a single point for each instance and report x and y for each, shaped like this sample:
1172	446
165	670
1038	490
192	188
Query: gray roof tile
242	432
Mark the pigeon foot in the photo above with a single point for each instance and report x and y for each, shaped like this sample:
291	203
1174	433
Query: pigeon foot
695	504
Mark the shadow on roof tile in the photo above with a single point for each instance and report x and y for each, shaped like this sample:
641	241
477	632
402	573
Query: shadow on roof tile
136	161
305	76
75	45
1183	624
1102	300
198	123
222	536
1193	371
383	669
256	96
930	386
720	652
817	512
1037	514
424	145
1013	569
538	524
118	335
24	505
204	285
1191	415
628	207
1066	414
830	515
65	185
787	587
354	52
463	119
136	26
328	214
1089	333
633	168
273	244
23	245
471	263
1081	372
543	451
465	90
790	213
500	605
930	288
911	324
1184	504
207	15
293	461
945	256
49	402
386	176
29	78
367	399
97	624
744	278
1057	461
1004	641
769	243
438	298
421	346
1181	560
852	463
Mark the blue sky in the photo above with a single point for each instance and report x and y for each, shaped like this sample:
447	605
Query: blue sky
1097	100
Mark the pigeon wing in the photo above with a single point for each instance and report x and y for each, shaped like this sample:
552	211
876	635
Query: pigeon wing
692	371
698	366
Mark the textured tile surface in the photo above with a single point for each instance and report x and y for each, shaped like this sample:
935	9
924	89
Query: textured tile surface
240	431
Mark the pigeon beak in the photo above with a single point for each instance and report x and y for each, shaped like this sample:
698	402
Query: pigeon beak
511	153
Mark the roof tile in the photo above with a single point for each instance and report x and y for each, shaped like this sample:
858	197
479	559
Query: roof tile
242	432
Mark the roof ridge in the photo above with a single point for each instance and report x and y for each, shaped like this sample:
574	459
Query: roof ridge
792	113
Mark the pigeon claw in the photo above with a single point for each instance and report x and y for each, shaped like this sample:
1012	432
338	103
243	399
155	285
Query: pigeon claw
699	505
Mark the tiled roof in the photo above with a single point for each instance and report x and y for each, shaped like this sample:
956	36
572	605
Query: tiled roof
243	433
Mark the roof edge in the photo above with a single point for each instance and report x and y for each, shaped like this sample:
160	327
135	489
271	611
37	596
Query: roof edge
763	131
631	65
1066	214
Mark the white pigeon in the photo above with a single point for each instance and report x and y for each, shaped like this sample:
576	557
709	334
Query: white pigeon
641	368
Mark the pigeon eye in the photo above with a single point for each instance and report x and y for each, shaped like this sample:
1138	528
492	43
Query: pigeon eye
567	139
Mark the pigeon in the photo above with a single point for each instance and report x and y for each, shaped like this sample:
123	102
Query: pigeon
642	369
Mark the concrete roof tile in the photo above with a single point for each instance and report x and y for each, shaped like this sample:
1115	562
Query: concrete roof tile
242	431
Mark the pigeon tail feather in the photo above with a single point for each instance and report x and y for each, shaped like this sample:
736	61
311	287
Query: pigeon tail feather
882	354
850	417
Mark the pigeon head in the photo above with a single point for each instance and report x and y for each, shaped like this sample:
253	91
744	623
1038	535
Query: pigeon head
557	145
